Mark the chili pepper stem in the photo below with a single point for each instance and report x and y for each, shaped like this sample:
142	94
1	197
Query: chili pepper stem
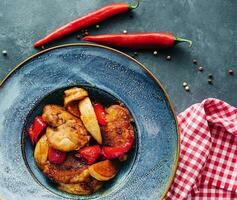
178	40
132	6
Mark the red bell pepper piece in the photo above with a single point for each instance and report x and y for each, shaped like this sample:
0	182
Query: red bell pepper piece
100	114
37	128
89	154
85	21
153	40
55	156
116	152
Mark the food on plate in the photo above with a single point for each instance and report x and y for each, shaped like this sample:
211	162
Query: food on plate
89	119
81	188
90	154
100	114
85	21
41	151
37	129
104	170
82	144
74	94
73	108
118	133
65	131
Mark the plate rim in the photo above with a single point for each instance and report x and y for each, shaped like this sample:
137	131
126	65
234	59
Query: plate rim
18	66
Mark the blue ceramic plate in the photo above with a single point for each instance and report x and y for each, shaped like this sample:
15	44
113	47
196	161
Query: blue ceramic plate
107	74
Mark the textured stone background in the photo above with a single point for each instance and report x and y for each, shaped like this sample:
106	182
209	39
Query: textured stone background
210	24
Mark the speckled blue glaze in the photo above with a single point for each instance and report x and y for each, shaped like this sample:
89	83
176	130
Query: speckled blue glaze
151	167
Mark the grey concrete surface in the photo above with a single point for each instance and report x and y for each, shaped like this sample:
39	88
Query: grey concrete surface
210	24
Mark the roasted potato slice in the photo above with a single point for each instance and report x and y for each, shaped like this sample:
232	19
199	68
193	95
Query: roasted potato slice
104	170
89	119
74	94
41	152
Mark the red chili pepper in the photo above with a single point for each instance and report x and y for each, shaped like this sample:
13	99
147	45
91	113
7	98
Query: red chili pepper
55	156
85	21
90	154
100	113
37	128
151	40
116	152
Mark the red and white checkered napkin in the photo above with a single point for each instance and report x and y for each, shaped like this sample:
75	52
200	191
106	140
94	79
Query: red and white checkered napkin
208	153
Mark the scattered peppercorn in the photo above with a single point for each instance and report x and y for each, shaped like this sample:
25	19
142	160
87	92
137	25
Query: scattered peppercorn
210	81
194	61
200	69
97	26
125	31
230	71
185	84
85	33
78	37
4	52
168	57
187	88
210	76
155	53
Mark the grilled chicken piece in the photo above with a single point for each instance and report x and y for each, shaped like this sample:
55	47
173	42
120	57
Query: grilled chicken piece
119	127
71	170
65	132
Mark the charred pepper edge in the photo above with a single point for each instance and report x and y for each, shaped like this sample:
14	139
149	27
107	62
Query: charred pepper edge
179	40
134	5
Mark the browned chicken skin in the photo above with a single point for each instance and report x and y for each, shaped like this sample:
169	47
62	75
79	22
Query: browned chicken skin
118	127
73	108
66	132
71	171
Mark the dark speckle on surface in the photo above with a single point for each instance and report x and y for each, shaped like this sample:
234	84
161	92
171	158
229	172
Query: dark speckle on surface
210	76
211	25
